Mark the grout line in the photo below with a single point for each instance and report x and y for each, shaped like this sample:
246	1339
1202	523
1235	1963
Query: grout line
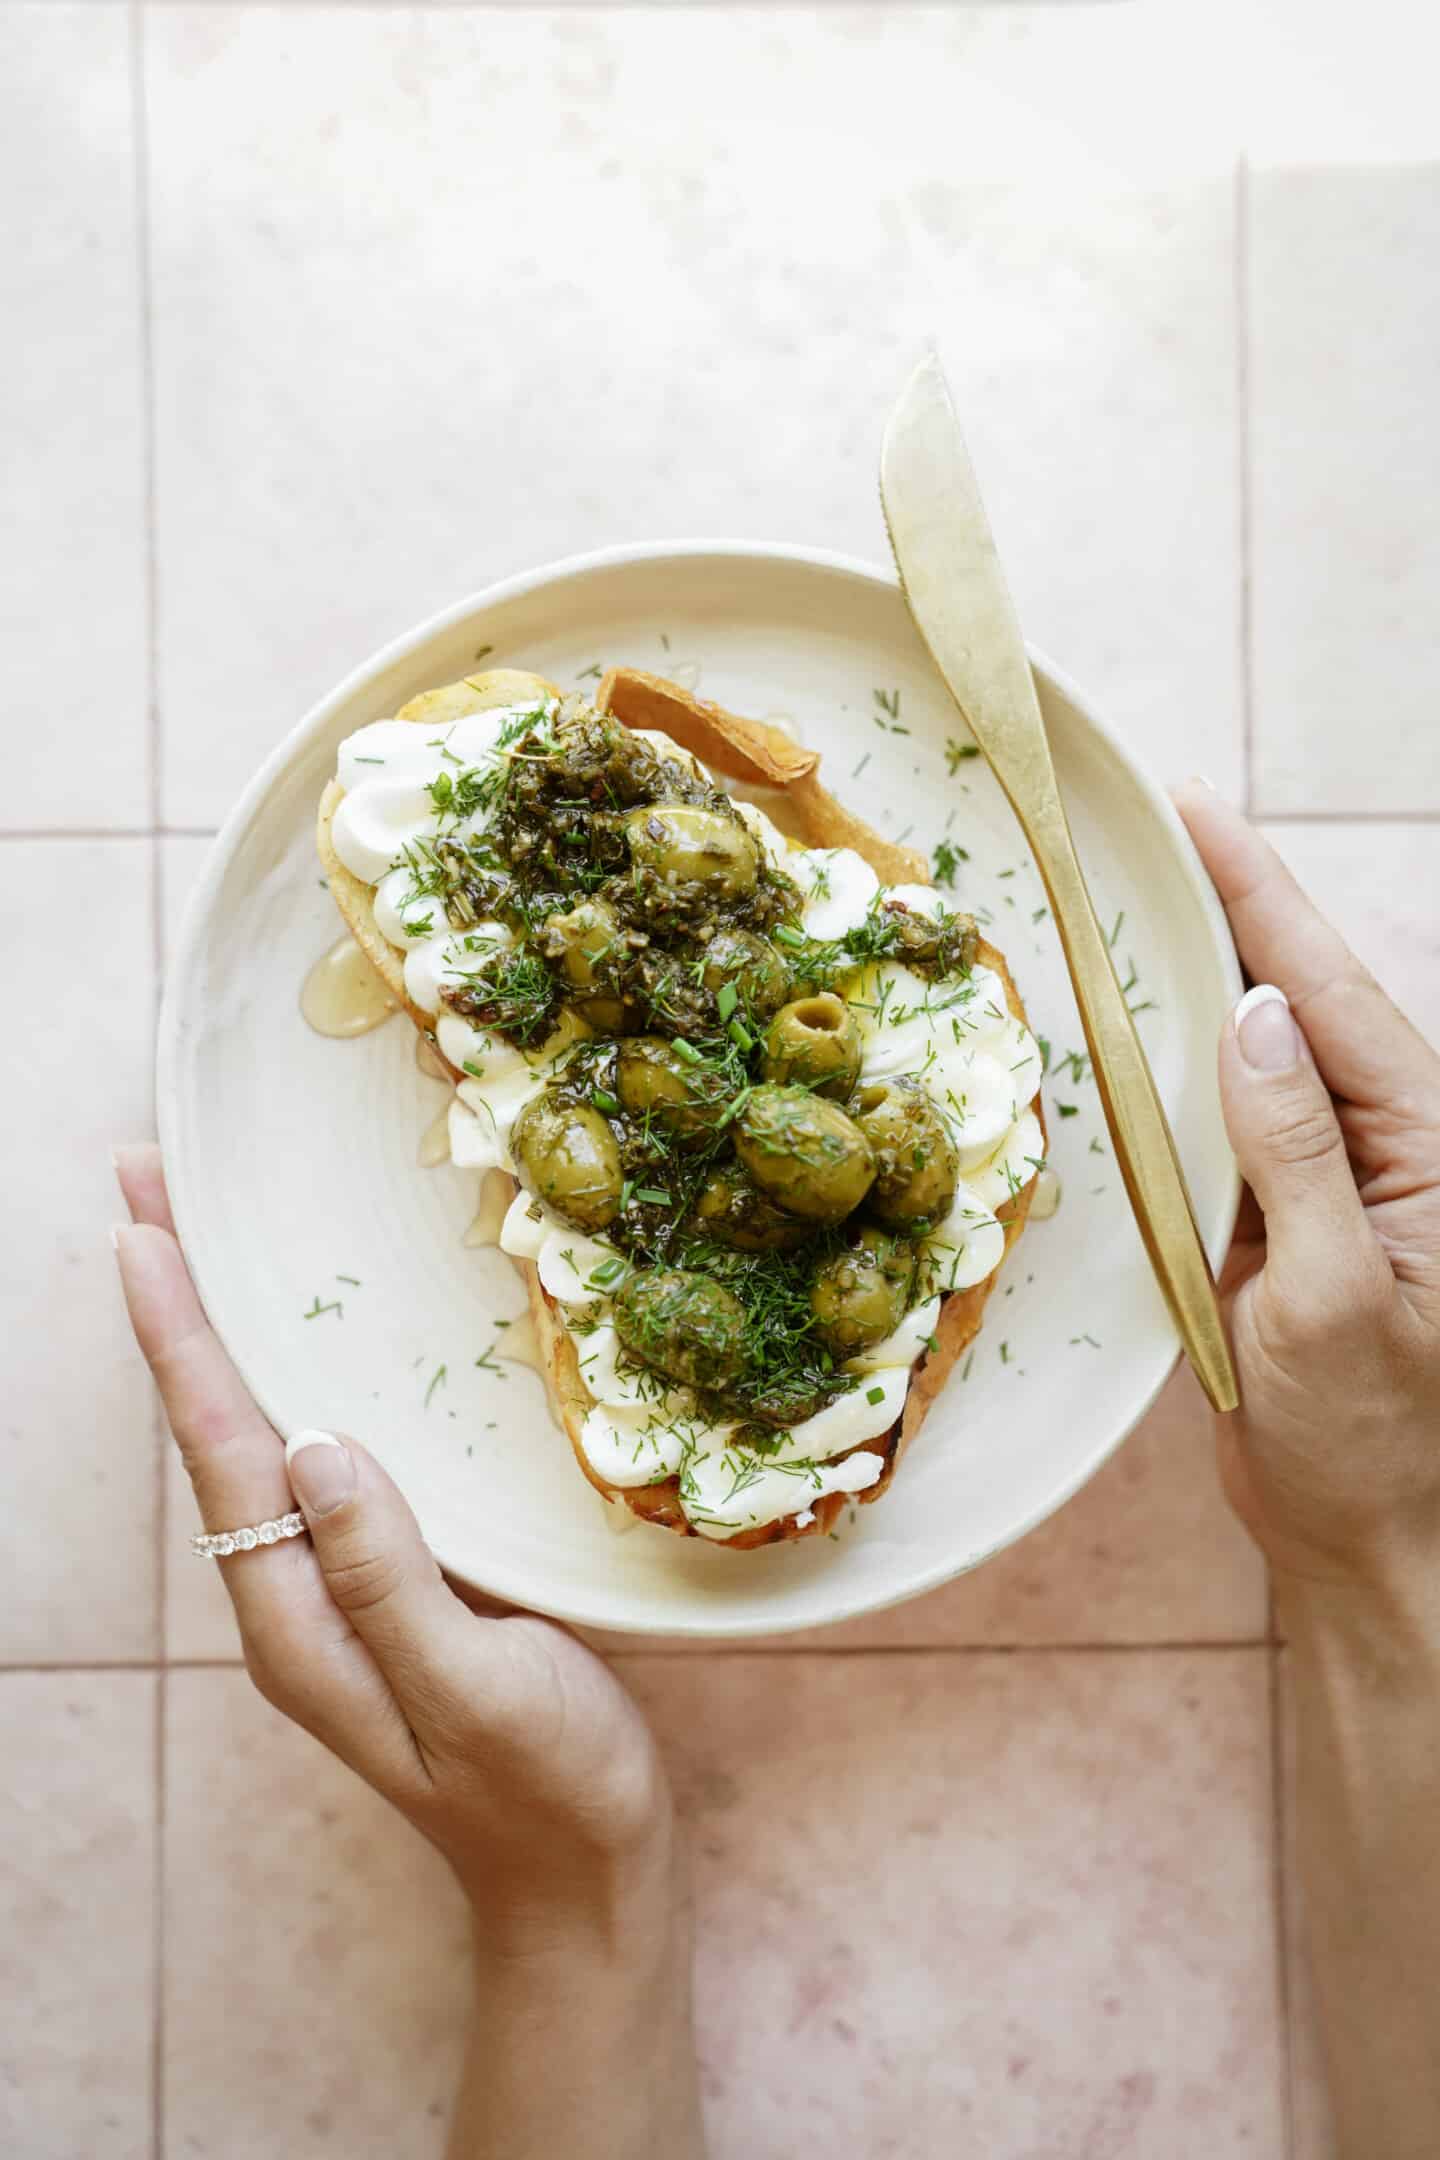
83	832
1246	508
139	129
957	1650
1245	1643
1347	817
157	2023
1280	1872
112	832
144	285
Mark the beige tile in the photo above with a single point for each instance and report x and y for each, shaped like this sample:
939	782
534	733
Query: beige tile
316	1959
1345	342
1326	83
72	522
1028	1898
77	1968
199	1618
409	349
78	1475
1310	2098
1380	886
1146	1553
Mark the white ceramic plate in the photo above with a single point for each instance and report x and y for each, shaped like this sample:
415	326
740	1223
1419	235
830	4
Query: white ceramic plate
293	1160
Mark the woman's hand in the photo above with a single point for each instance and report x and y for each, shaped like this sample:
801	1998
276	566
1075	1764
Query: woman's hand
504	1740
1333	1460
1332	1102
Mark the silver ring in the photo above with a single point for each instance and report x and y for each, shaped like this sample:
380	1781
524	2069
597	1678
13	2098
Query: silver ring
219	1544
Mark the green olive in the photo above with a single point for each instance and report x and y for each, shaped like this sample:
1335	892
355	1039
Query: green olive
607	1015
916	1163
814	1043
691	847
733	1210
580	941
787	1401
860	1296
568	1158
947	943
651	1078
753	965
686	1326
804	1152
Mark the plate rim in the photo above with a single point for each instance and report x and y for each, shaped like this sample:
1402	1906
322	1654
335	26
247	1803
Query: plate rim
190	939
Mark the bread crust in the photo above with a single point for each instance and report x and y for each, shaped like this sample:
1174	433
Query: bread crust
756	756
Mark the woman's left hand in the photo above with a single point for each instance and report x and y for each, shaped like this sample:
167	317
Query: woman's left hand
507	1742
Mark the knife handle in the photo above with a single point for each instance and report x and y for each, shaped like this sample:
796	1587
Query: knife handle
1139	1128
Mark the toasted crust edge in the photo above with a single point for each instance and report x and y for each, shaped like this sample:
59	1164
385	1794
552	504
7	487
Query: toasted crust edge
750	752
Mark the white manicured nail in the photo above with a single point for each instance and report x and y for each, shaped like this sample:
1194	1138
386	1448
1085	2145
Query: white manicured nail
322	1471
1269	1039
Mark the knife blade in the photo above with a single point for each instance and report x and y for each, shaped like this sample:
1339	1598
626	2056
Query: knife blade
955	587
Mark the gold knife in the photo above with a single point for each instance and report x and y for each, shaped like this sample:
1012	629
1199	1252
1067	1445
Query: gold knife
956	589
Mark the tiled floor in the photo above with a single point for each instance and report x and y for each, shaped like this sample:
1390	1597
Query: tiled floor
318	316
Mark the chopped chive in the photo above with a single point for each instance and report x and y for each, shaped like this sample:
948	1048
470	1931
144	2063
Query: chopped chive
652	1195
687	1051
1068	1109
740	1036
606	1272
784	935
875	1394
727	1000
604	1100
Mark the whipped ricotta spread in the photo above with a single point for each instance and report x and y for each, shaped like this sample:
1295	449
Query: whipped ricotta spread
980	1067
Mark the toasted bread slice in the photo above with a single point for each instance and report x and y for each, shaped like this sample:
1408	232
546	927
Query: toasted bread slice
756	756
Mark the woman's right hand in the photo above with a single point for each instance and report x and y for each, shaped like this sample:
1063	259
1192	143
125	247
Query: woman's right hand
1332	1103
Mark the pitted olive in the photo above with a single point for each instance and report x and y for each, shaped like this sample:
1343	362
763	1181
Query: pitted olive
804	1152
860	1296
568	1157
685	1325
580	941
917	1168
814	1043
734	1211
694	849
753	965
651	1078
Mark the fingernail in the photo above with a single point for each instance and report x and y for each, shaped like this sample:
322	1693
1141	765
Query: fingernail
1205	781
322	1474
1269	1039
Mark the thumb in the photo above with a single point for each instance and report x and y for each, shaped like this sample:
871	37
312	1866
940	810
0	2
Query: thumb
377	1567
1288	1142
